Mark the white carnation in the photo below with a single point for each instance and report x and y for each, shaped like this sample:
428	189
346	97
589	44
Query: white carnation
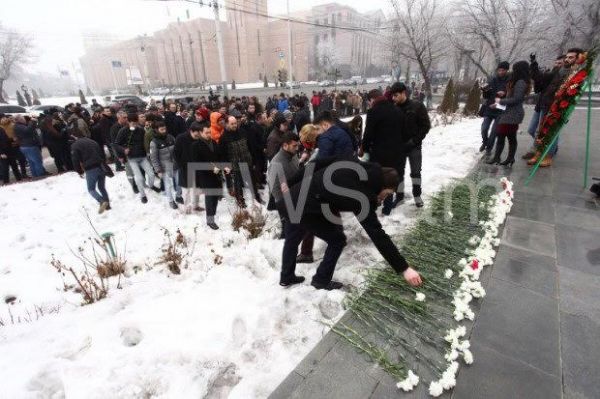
448	273
468	356
435	389
420	297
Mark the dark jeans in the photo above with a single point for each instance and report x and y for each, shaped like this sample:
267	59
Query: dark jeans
21	160
332	234
486	139
11	162
415	159
96	177
62	157
210	203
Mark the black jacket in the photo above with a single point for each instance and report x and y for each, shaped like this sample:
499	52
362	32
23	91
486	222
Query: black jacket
5	143
114	131
86	154
132	139
27	135
495	85
383	137
175	124
207	152
301	118
416	123
184	154
348	179
255	134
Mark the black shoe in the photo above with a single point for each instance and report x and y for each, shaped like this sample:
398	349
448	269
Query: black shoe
304	259
179	200
493	161
386	209
482	148
508	162
398	200
213	225
135	189
144	200
419	202
155	189
198	208
108	208
173	205
292	281
119	169
332	285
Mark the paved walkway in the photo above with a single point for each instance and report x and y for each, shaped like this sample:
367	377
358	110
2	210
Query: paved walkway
537	331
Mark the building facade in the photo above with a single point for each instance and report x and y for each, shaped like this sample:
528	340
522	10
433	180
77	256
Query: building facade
185	53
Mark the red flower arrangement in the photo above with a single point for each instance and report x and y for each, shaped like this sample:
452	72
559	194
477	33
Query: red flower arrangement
565	99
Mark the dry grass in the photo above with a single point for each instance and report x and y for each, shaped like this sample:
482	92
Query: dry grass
29	316
177	250
252	221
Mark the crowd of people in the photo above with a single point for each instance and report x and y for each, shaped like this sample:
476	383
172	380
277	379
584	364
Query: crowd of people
504	95
183	151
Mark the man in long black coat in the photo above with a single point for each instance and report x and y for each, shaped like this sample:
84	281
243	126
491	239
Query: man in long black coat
184	154
327	181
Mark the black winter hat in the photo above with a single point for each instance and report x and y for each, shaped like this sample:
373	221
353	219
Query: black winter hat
504	65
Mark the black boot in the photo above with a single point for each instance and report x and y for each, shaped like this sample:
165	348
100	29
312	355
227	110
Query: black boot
499	149
512	150
292	281
332	285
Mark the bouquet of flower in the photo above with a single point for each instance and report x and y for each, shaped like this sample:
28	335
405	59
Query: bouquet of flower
565	100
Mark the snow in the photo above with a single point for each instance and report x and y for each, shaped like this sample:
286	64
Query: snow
216	330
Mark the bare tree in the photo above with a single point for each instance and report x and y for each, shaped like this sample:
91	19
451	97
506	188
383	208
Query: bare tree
328	56
506	28
578	24
419	34
14	51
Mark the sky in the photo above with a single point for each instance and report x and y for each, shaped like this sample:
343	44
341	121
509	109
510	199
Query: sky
58	27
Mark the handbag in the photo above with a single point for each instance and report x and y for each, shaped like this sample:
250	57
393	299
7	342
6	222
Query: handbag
107	170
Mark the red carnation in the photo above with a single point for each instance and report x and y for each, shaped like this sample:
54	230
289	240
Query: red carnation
553	108
572	92
579	77
475	264
564	104
560	93
551	121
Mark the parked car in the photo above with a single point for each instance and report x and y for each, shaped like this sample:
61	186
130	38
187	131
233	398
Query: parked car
325	83
37	110
358	80
13	110
294	85
126	100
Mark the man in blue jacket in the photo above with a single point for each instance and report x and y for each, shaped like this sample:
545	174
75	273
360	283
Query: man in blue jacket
334	141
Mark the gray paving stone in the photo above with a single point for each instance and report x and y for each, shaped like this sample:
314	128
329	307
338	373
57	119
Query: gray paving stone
311	361
533	236
540	210
577	217
578	249
335	378
527	269
496	376
520	323
580	293
583	201
580	353
287	386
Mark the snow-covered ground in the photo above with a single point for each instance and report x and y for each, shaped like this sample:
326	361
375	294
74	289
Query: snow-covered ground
215	330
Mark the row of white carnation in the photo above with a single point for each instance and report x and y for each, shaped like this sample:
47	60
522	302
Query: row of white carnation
481	254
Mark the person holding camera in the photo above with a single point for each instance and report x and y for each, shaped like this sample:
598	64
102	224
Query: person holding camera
494	88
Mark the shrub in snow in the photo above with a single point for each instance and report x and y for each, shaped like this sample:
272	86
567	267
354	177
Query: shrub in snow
252	221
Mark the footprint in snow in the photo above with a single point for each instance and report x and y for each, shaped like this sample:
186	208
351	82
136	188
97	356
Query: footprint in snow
131	336
238	331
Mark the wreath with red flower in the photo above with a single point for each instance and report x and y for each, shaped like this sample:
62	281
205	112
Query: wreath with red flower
565	99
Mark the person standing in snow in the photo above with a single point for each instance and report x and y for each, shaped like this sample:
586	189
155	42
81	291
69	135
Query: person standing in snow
161	156
130	143
87	158
380	183
184	154
413	132
206	151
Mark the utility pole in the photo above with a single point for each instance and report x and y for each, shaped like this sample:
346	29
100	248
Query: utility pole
175	64
202	57
290	55
190	41
185	75
220	48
